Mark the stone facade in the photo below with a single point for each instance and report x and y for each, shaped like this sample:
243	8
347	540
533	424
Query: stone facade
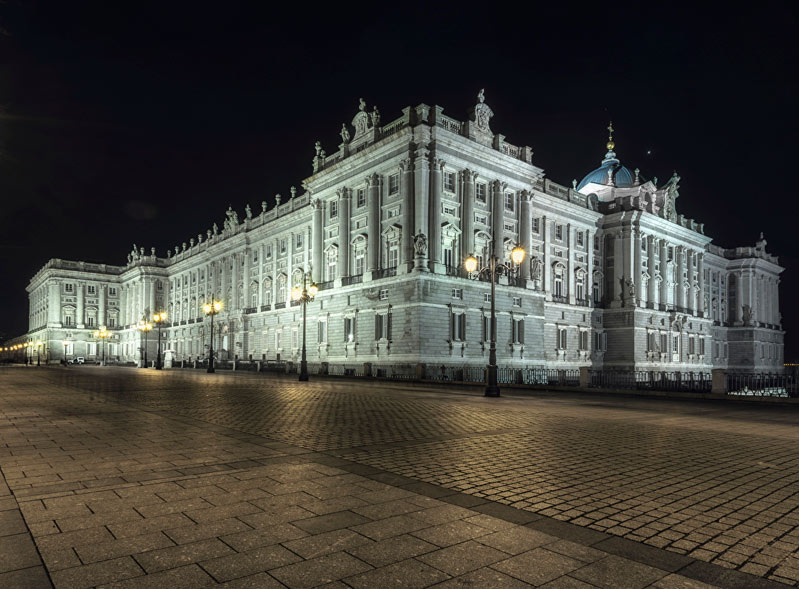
613	278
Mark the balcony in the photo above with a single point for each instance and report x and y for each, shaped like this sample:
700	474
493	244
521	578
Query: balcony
456	271
266	307
347	280
249	310
295	303
384	273
559	299
582	302
281	305
321	286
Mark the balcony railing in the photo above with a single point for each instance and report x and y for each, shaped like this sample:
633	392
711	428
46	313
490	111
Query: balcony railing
384	273
457	271
559	299
280	305
295	303
347	280
582	302
249	310
266	307
323	285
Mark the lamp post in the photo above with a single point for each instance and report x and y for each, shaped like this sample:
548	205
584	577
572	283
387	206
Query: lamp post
304	295
39	353
66	344
103	334
212	308
159	318
517	255
146	328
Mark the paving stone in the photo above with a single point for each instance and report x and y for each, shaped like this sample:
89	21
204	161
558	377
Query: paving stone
462	558
250	539
176	556
183	577
317	571
567	582
386	510
30	578
451	533
614	572
99	573
516	540
392	526
327	542
537	566
332	521
17	552
577	551
96	552
642	553
391	550
194	533
407	573
507	513
675	581
256	581
484	577
268	519
11	523
242	564
62	558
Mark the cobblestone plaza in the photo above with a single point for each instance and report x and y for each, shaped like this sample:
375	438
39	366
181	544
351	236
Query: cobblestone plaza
113	476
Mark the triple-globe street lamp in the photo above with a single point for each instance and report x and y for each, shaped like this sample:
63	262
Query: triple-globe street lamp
212	308
103	334
158	319
145	327
494	265
304	295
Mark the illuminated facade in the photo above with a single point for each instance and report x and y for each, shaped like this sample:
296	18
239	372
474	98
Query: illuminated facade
614	277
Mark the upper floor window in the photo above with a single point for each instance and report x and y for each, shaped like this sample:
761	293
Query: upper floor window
112	292
299	240
558	231
393	184
383	294
536	225
480	192
580	238
457	327
349	329
449	181
361	201
517	331
333	208
91	289
509	201
283	246
69	287
269	251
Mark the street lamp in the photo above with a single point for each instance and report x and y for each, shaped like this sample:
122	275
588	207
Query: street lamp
212	308
304	295
159	318
66	343
471	263
39	353
103	334
145	327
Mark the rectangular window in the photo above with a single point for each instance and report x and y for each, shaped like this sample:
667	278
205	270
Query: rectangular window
580	238
277	340
457	293
449	181
485	328
559	232
563	340
283	246
481	219
112	322
295	337
321	332
361	197
92	289
664	343
69	287
112	292
91	349
536	225
383	294
393	184
596	242
583	341
509	198
89	321
517	329
333	209
383	326
449	210
349	329
487	297
480	192
517	301
691	345
458	327
701	346
394	212
268	251
67	320
449	257
299	240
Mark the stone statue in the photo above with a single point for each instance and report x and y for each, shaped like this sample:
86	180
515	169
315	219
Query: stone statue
746	312
361	104
345	133
142	252
216	229
535	268
191	242
232	216
152	251
248	211
481	96
169	253
630	287
226	224
375	116
130	261
184	246
318	148
176	250
420	244
208	233
574	184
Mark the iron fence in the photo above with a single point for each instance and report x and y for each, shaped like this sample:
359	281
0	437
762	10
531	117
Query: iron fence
761	385
691	382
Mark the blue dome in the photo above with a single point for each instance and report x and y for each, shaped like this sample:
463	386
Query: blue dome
622	176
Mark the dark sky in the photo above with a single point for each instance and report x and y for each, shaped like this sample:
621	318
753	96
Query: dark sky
141	123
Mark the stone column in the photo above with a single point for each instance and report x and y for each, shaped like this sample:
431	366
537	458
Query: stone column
526	232
235	274
246	283
123	306
406	200
318	240
638	269
421	194
498	218
373	185
691	302
589	274
151	298
467	213
700	263
571	241
618	270
651	295
547	257
434	243
664	273
679	253
776	301
344	197
101	303
81	312
54	303
628	267
739	297
223	269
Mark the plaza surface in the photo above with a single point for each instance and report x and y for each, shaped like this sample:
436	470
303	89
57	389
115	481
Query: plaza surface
126	477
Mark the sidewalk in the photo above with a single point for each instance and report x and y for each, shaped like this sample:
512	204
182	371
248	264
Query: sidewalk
107	494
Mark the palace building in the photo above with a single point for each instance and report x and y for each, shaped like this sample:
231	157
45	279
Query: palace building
614	276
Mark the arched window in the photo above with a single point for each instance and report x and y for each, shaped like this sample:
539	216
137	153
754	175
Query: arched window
558	287
267	290
282	291
331	263
358	255
254	294
579	285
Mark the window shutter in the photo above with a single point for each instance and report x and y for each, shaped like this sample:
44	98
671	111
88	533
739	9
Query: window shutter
521	331
463	326
388	327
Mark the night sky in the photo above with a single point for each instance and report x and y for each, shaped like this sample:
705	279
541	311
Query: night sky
141	124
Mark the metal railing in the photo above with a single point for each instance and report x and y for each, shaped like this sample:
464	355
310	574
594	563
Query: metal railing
266	307
280	305
324	285
249	310
761	385
384	272
690	382
559	299
356	279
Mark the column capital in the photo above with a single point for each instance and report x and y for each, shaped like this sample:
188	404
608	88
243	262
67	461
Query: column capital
406	165
373	180
468	175
499	185
525	195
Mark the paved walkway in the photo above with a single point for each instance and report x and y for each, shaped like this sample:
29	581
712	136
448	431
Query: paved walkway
126	477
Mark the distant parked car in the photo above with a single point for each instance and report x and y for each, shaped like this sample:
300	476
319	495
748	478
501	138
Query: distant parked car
78	360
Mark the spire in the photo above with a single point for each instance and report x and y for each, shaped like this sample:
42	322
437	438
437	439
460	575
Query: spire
610	155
